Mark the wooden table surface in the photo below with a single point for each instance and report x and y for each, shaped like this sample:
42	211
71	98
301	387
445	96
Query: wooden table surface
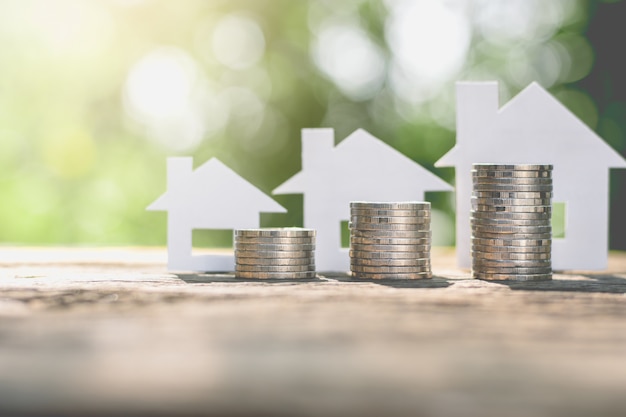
111	332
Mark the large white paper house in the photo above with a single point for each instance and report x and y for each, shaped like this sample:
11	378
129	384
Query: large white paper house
361	167
211	197
534	127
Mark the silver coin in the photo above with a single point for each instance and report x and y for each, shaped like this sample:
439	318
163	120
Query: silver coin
421	266
512	182
388	255
275	261
479	263
389	269
276	232
530	269
493	259
367	269
364	269
413	234
512	209
493	192
512	167
372	227
477	186
399	227
513	255
415	275
511	242
506	236
479	234
510	195
514	228
518	189
510	223
511	201
512	277
274	268
389	241
512	270
408	227
390	213
274	254
389	248
405	205
275	275
512	249
500	215
390	262
271	247
389	220
499	222
511	174
276	240
510	229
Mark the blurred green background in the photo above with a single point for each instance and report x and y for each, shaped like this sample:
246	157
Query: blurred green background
94	95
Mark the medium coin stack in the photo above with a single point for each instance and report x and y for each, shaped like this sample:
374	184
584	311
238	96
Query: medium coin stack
282	253
390	240
511	222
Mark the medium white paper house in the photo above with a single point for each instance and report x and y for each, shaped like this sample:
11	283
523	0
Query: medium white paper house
360	168
211	197
534	127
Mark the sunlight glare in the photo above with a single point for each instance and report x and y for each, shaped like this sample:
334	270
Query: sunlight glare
350	59
165	93
160	84
430	42
238	42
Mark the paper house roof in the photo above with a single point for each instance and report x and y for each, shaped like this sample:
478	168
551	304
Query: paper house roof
361	167
212	197
532	127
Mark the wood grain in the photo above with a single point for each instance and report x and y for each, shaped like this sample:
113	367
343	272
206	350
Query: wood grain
110	332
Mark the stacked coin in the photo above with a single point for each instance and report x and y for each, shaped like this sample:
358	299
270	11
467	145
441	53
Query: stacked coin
275	253
390	240
511	222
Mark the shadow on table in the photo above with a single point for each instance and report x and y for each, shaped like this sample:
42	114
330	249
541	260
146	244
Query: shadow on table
229	277
434	282
577	283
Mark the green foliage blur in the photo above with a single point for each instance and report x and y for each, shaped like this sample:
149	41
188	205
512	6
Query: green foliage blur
94	95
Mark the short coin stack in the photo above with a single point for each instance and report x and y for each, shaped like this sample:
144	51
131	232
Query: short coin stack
511	222
390	240
282	253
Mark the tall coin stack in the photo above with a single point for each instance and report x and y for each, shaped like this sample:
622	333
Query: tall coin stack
390	240
511	222
282	253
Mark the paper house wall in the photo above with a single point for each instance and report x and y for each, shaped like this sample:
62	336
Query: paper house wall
211	197
534	127
361	167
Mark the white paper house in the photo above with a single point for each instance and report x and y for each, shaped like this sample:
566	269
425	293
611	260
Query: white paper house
534	127
211	197
361	167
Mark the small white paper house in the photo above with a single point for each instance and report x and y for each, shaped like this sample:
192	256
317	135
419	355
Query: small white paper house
211	197
534	127
361	167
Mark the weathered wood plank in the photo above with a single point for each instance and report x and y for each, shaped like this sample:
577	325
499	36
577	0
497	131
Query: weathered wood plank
109	332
